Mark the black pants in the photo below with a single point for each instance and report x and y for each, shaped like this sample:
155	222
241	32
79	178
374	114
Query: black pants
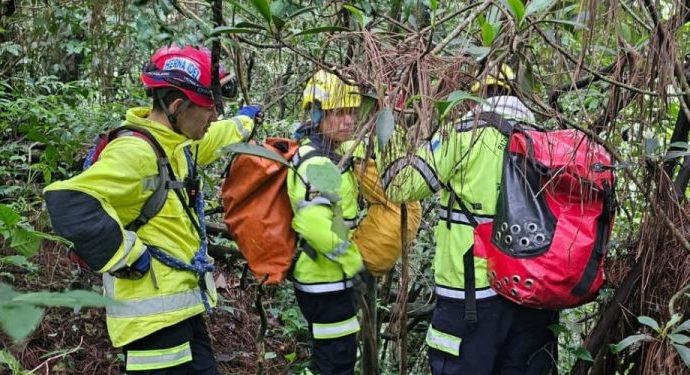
336	356
507	339
167	352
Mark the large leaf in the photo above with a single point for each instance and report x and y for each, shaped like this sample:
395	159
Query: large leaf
256	150
264	8
321	29
25	242
8	216
537	6
617	348
684	353
71	298
385	125
18	320
517	8
6	293
685	326
324	177
677	338
649	322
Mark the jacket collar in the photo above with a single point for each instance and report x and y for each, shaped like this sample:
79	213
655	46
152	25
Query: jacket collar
138	116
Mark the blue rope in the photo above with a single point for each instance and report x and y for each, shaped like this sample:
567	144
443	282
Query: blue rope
198	265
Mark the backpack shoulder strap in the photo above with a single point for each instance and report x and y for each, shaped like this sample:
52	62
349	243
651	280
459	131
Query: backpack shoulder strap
155	202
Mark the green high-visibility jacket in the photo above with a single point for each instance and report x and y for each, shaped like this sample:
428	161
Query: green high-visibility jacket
92	208
329	258
467	158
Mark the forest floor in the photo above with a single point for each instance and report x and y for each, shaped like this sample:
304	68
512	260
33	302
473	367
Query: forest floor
70	342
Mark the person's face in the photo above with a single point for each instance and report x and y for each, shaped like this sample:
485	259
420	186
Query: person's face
338	124
194	121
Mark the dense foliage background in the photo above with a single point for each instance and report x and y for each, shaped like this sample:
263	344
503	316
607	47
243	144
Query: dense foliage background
616	69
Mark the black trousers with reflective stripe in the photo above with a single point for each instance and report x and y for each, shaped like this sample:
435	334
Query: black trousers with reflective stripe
192	330
507	339
336	356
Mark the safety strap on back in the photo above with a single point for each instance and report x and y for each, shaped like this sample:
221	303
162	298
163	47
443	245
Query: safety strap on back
296	161
157	199
505	127
467	260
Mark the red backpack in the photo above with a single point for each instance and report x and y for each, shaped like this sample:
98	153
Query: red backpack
546	245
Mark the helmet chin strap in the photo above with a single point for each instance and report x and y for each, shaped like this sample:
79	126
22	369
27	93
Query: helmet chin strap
172	117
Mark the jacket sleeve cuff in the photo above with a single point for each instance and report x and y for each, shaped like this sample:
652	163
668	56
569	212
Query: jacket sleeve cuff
131	249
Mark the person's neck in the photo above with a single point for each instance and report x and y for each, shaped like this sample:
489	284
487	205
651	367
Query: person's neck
159	117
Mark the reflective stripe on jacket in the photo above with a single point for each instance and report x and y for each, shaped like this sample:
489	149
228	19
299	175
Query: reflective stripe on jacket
336	259
91	209
468	158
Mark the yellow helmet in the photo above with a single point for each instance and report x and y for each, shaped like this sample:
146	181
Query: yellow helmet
330	91
496	78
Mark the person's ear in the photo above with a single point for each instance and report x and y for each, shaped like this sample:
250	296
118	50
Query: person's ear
175	105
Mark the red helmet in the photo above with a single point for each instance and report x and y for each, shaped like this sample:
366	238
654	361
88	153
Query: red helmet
187	69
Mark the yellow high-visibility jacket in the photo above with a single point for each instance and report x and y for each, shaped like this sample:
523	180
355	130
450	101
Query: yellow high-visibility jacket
92	208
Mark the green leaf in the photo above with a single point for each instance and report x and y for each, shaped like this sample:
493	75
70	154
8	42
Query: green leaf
366	106
242	8
71	298
581	353
264	7
625	32
489	32
26	242
19	261
256	150
649	322
338	224
684	353
617	348
6	293
324	177
385	125
537	6
684	145
233	30
8	216
321	29
361	18
677	338
517	8
290	357
454	98
675	318
18	320
685	326
12	363
248	25
477	52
